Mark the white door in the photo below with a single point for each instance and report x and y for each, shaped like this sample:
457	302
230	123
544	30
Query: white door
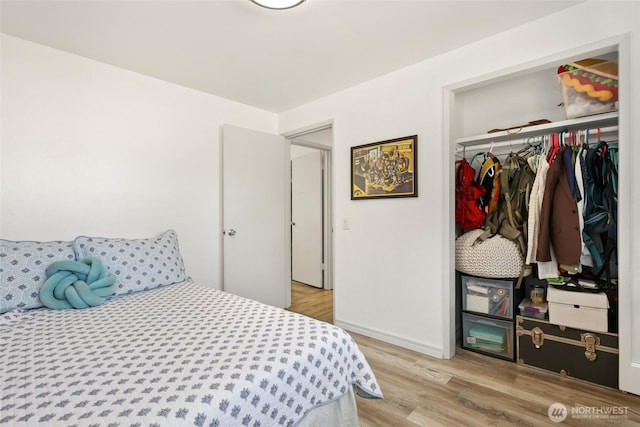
256	216
307	219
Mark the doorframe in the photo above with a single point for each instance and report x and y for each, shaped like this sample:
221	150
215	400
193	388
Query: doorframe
328	191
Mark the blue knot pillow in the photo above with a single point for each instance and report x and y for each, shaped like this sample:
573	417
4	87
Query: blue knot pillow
77	284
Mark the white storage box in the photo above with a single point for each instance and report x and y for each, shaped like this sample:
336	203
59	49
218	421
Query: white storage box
582	310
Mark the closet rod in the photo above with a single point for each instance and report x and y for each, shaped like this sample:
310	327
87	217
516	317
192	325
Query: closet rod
518	142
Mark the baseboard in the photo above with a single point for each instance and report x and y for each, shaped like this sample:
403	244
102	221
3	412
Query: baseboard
391	339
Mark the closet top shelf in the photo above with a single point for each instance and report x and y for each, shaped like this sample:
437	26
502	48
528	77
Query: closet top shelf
596	121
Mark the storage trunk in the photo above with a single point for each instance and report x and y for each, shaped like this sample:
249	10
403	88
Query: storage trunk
590	356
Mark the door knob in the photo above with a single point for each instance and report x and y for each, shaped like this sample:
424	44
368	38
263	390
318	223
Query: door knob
231	232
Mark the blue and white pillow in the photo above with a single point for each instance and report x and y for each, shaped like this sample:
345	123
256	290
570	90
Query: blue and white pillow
138	264
23	266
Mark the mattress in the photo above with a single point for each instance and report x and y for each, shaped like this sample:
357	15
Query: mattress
182	355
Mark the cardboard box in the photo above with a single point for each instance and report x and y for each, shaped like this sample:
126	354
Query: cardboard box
583	310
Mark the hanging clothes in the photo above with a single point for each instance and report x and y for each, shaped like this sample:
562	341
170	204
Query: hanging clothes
535	204
559	221
585	256
546	269
556	237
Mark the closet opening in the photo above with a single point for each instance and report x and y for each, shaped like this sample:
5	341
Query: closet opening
509	100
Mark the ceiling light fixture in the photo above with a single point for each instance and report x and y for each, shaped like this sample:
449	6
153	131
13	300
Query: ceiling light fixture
277	4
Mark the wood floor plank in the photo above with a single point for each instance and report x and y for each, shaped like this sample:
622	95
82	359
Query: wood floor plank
470	389
314	302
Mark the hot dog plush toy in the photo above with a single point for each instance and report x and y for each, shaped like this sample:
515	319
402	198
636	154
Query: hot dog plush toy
595	78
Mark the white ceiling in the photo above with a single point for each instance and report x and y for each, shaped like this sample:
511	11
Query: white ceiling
274	60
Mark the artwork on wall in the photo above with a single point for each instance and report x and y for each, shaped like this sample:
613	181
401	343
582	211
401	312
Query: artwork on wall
385	169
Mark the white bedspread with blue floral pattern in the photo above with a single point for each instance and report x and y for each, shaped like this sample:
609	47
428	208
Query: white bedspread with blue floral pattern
181	355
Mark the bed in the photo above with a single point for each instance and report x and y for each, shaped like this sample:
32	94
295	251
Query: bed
179	354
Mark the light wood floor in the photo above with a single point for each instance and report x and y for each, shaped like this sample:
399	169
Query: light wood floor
470	389
314	302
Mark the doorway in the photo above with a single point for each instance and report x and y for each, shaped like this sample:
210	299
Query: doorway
307	216
311	211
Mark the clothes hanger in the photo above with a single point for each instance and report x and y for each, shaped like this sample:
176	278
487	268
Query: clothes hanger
555	147
546	142
580	138
535	152
473	159
538	147
565	137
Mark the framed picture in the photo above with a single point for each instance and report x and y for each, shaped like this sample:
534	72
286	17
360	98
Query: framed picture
385	169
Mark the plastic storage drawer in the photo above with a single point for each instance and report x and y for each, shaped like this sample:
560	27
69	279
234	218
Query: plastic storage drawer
487	296
486	335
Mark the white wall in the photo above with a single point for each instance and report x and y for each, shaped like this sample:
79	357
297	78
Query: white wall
87	148
392	266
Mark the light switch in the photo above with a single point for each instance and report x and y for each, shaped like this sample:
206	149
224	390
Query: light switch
345	223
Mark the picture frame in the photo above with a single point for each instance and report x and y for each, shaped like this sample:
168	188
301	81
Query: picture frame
385	169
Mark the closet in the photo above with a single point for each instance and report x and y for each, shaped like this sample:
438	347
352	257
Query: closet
510	102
